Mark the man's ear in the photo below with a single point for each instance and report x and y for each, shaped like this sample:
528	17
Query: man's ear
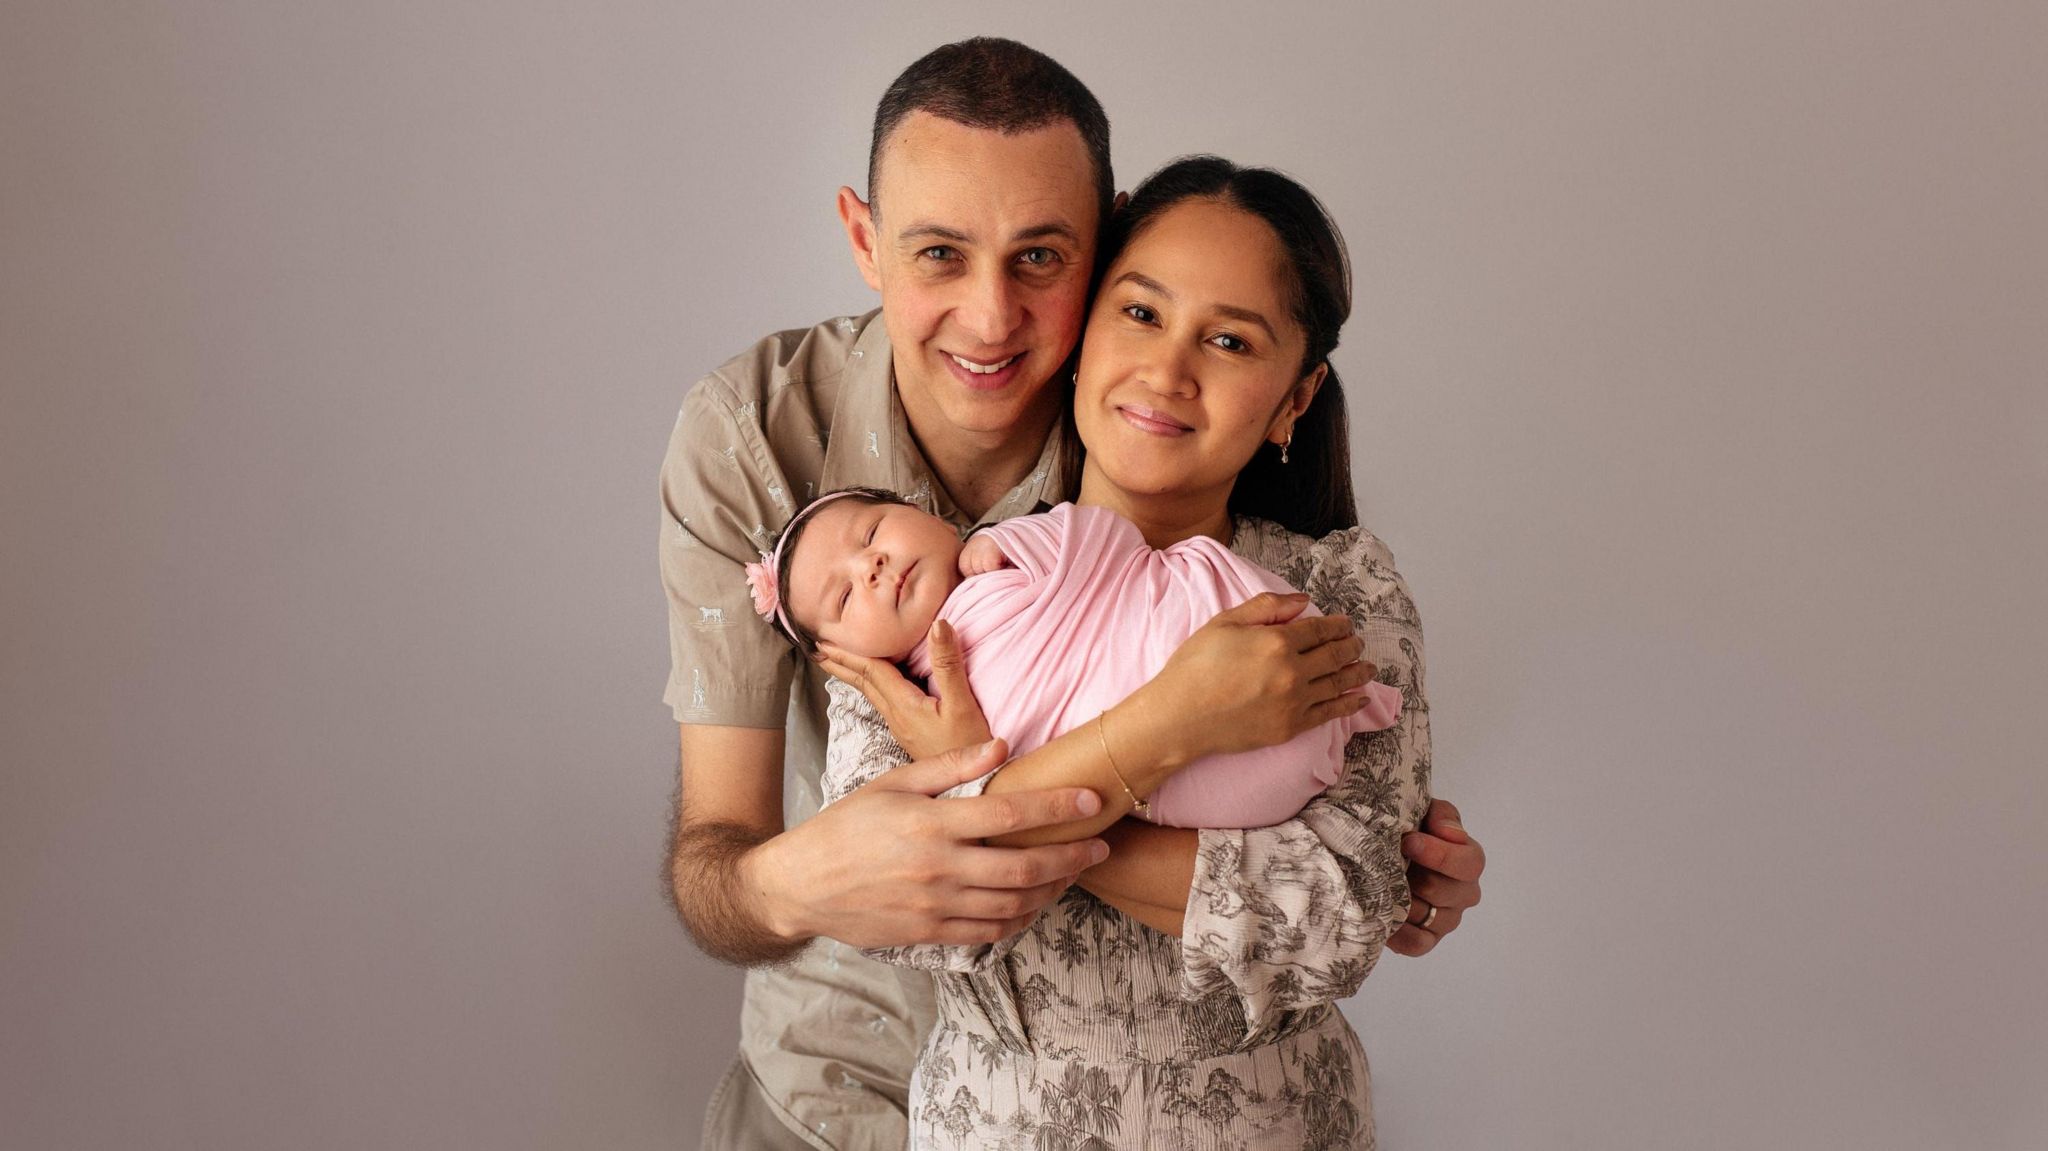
1117	205
859	221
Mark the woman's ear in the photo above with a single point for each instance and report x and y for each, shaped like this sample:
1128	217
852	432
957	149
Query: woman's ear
1297	402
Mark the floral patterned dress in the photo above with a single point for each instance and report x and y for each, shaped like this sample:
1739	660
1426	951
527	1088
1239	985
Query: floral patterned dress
1091	1030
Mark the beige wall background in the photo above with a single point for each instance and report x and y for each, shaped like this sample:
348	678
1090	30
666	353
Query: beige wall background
1698	379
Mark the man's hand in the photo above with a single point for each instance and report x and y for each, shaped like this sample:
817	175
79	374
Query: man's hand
891	864
925	725
1443	872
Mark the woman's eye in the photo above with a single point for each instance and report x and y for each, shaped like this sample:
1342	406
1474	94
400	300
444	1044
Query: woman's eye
1230	343
1140	313
870	541
845	598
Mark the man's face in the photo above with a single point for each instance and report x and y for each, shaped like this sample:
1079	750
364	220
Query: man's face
981	245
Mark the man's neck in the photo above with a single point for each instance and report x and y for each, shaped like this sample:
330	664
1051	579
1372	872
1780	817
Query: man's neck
976	468
1163	521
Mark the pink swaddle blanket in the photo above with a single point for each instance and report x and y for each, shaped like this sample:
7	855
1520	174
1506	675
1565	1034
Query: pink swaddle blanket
1088	613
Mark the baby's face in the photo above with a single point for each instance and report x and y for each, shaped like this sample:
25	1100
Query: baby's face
870	578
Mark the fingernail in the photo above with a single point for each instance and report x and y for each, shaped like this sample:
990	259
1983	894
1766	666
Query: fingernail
1089	803
1097	852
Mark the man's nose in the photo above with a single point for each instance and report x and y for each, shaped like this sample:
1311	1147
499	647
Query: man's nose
993	308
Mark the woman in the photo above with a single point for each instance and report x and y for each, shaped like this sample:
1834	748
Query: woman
1187	991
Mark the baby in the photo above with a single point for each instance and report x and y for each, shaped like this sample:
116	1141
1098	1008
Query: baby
1059	615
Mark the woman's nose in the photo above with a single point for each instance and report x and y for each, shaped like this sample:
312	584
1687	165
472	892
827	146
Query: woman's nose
1169	375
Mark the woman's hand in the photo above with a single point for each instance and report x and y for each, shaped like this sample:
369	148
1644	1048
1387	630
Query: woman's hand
1254	676
925	725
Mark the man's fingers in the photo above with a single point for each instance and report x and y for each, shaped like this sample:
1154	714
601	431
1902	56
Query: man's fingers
934	775
1024	868
1411	941
1004	904
1458	860
1444	822
984	816
1442	891
968	932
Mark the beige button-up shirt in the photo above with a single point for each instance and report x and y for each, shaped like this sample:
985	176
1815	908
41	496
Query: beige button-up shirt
832	1034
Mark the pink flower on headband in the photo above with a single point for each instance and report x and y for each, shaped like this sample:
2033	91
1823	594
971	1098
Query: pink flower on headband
761	581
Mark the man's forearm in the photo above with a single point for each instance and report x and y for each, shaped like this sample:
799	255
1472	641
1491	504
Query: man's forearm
708	881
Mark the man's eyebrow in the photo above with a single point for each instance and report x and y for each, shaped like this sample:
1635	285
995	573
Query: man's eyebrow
925	230
1051	228
1247	315
928	230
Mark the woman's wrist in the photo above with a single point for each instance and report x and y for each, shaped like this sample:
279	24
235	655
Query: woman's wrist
1147	740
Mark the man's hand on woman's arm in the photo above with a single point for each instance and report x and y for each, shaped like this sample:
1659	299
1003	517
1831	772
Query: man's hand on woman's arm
1444	864
886	866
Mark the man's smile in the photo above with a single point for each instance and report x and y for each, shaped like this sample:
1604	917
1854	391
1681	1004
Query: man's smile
984	375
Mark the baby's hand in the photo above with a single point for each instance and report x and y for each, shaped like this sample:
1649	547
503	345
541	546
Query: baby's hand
982	555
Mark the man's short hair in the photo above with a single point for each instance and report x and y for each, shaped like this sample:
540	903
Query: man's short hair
999	85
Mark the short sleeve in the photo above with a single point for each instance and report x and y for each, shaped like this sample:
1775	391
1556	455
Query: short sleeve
723	496
1287	916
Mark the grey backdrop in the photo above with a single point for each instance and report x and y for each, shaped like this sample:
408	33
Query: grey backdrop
1698	380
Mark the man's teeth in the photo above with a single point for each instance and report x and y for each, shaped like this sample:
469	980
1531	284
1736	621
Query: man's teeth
982	369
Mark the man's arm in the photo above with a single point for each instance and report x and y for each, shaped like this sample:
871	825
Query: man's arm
888	865
728	802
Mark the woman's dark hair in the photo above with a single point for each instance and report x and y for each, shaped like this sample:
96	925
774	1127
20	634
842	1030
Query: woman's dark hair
785	548
1311	493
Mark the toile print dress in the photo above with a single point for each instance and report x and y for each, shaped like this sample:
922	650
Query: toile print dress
1089	1030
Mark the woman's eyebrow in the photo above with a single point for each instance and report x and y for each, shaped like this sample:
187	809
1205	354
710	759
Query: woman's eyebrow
1146	282
1231	310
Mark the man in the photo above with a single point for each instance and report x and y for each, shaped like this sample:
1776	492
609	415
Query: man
989	179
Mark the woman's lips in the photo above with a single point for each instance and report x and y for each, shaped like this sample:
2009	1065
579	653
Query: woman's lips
1151	420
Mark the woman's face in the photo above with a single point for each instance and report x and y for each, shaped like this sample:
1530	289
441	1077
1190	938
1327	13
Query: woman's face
1191	355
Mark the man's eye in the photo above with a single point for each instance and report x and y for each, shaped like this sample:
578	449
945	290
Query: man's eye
937	252
1039	257
1140	313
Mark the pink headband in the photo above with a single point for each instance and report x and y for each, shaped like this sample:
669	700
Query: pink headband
763	579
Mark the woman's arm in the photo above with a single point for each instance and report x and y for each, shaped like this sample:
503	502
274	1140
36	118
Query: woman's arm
1295	914
1148	873
1254	676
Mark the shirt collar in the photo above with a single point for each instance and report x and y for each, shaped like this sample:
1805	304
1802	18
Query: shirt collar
870	444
